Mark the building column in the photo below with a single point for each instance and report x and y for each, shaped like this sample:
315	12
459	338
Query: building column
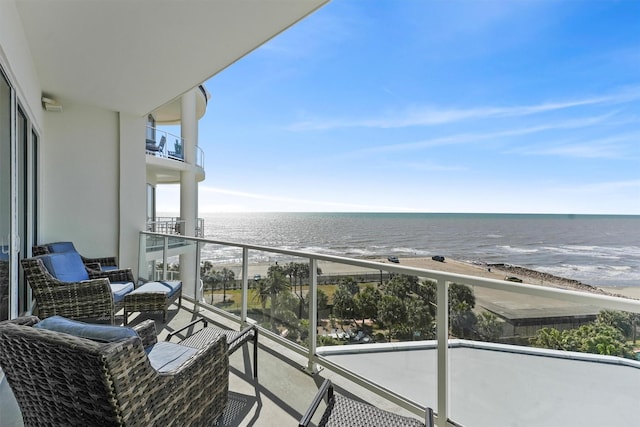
188	183
189	186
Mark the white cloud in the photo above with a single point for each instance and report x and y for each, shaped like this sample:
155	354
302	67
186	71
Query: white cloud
431	115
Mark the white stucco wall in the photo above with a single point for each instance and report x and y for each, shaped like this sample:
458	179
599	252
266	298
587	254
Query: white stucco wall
79	179
132	172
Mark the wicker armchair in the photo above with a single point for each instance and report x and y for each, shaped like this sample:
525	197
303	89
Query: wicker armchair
342	411
62	379
93	295
103	263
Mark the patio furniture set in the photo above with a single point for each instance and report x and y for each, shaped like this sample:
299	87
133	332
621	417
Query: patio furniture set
67	372
67	284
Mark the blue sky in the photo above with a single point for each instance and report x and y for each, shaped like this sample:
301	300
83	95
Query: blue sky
432	106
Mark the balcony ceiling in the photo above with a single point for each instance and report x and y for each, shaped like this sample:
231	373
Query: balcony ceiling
135	56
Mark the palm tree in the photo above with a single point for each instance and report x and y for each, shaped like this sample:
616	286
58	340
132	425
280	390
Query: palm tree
225	275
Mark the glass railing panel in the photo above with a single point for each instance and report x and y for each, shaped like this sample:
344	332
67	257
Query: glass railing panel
531	360
380	325
164	144
221	276
278	298
493	329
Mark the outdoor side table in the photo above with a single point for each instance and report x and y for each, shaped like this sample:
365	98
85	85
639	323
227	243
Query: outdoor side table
235	339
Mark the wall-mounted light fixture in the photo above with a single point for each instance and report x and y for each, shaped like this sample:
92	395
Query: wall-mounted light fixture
51	105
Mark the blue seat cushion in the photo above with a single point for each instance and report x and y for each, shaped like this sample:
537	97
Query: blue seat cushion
108	267
120	289
167	356
66	267
168	287
59	247
99	333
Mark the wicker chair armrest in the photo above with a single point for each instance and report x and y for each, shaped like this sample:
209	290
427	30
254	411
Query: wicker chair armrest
122	275
105	261
39	250
147	332
93	266
23	321
325	389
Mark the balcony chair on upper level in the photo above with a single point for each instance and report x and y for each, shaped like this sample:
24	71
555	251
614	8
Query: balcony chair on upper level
343	411
62	285
103	263
153	149
64	372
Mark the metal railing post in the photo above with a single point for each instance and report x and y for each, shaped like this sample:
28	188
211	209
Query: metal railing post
312	367
245	286
142	257
442	318
164	258
198	288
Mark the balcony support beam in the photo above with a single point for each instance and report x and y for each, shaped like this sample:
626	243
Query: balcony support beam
245	286
442	317
312	366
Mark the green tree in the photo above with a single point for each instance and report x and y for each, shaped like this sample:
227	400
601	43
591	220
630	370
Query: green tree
419	319
620	320
392	312
225	275
594	337
488	327
350	284
462	320
344	305
366	303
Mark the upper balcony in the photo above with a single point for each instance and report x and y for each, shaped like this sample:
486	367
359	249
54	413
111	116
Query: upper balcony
166	159
170	114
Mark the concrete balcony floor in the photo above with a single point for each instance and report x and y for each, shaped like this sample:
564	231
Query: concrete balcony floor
279	397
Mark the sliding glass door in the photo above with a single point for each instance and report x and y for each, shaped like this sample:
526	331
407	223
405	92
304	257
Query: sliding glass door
5	196
18	199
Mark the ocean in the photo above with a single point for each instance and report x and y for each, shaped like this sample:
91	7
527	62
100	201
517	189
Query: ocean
600	250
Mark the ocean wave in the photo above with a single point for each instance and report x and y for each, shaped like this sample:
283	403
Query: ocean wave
509	248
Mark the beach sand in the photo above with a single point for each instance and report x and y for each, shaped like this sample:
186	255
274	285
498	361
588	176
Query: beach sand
528	276
497	272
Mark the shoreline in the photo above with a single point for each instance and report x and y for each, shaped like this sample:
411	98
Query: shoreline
490	271
528	276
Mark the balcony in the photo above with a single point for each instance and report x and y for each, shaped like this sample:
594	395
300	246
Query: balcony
472	382
173	225
166	157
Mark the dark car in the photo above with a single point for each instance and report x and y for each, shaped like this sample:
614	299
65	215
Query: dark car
393	259
438	258
513	279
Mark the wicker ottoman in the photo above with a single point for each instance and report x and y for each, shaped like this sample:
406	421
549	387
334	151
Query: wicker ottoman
235	339
153	296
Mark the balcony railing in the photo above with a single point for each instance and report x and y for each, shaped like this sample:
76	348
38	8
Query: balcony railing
173	225
163	144
231	279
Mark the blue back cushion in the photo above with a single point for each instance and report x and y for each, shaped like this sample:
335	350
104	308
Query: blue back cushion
100	333
66	267
61	247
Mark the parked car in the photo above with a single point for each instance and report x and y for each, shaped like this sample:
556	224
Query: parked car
438	258
392	258
257	277
513	279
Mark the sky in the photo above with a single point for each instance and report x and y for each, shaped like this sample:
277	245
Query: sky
507	106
